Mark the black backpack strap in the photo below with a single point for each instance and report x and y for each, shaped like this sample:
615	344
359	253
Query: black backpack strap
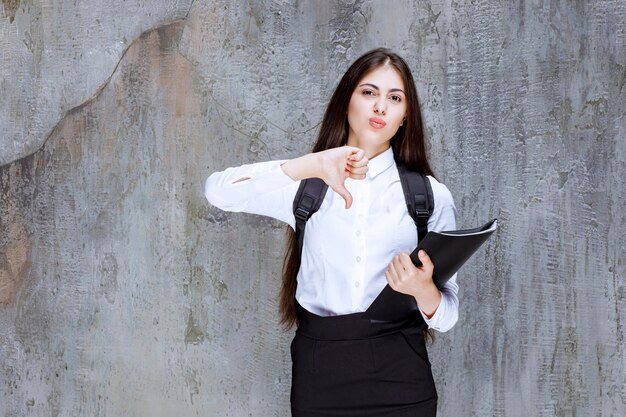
308	200
418	194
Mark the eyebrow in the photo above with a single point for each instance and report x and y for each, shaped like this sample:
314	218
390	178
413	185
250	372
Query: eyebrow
376	87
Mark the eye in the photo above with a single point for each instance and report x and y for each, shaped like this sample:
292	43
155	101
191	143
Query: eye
397	98
367	92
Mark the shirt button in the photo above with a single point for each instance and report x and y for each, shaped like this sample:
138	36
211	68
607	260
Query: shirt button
357	284
358	259
358	233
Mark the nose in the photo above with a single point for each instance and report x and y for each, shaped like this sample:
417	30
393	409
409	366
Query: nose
380	107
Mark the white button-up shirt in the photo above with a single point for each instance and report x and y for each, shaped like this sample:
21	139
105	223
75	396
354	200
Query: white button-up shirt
345	252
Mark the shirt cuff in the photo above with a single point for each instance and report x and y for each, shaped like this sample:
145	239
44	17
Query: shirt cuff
445	315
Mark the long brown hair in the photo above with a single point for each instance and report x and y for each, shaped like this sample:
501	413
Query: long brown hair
408	149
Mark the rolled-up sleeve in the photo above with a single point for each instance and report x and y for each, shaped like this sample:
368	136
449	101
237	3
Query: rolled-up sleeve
262	188
444	218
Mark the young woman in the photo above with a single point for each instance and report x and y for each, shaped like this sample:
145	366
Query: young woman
356	243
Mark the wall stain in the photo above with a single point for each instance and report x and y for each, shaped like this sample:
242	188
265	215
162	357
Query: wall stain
563	177
108	277
193	384
15	241
14	263
193	334
220	287
10	8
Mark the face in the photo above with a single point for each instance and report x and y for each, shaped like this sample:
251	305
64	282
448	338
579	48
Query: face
376	110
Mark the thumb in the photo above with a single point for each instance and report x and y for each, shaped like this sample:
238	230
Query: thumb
425	259
345	194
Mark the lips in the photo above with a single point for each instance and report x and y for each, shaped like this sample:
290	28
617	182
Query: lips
377	123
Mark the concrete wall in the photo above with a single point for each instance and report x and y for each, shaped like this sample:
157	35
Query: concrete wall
123	293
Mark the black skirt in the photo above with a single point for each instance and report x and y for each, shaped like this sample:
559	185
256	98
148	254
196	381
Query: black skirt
350	367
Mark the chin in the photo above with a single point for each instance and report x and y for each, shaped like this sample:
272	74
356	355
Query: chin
375	140
370	138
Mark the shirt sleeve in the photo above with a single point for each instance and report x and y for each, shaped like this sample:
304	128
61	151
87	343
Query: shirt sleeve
261	188
444	218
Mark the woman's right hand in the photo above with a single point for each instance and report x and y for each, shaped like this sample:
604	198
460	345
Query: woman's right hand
333	166
337	164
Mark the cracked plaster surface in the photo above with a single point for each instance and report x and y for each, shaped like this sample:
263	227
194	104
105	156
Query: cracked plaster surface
127	292
55	55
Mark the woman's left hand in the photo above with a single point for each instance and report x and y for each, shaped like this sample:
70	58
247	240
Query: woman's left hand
407	278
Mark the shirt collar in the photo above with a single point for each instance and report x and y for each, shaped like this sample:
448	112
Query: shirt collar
380	163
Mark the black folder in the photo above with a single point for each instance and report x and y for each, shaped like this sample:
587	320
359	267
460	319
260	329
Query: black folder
448	250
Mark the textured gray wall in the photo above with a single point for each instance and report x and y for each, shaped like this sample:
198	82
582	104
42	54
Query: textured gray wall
123	293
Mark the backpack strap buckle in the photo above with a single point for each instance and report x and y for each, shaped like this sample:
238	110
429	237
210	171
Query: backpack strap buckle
423	213
422	209
302	214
